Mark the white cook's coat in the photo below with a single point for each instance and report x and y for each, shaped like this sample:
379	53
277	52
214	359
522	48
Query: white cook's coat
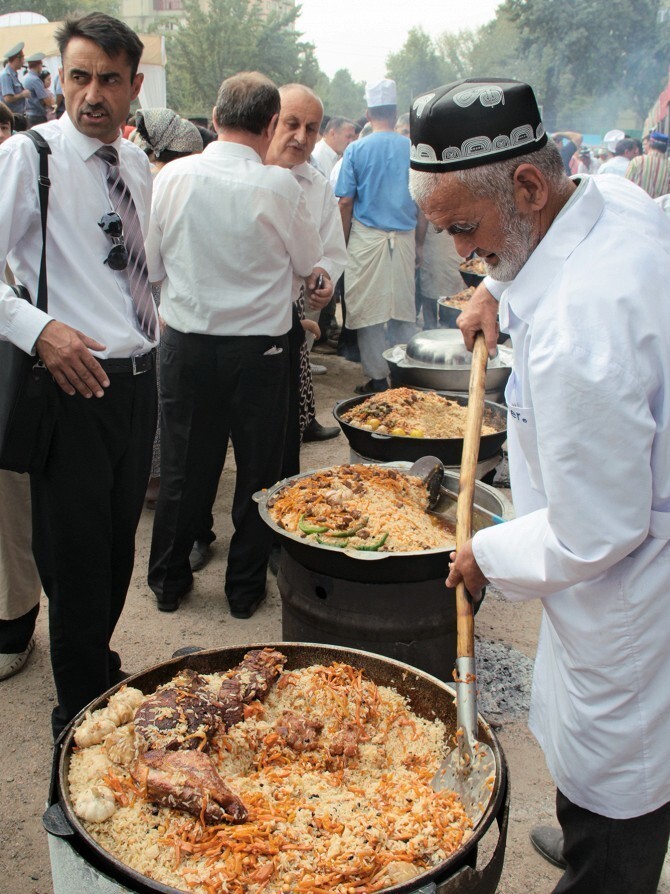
589	446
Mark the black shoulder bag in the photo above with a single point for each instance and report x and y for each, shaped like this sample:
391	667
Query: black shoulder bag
28	394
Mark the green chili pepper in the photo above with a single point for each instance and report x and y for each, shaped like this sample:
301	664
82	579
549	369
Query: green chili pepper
311	529
351	531
340	544
371	547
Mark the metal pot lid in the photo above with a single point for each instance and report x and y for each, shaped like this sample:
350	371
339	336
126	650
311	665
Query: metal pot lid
449	345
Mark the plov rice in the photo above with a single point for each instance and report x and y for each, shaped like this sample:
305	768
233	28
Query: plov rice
355	811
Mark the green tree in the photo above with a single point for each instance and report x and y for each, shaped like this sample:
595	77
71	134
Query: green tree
342	95
456	50
415	68
211	43
580	51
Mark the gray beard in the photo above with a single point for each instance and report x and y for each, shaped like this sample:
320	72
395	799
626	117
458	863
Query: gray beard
519	246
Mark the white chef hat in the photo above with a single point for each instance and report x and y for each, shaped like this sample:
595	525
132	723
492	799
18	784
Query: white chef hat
612	137
381	93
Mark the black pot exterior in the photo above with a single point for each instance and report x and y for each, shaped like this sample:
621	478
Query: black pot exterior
391	448
471	279
426	695
447	315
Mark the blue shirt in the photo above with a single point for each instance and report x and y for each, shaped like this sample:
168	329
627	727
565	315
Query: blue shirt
38	92
375	173
10	86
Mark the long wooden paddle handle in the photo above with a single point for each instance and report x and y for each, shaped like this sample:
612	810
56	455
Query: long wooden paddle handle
465	623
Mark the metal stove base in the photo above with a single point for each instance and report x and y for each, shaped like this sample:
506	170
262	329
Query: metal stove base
412	622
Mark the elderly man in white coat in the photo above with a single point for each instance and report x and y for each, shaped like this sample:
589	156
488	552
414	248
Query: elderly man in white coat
581	269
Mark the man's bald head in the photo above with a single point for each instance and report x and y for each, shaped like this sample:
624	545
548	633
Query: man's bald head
298	126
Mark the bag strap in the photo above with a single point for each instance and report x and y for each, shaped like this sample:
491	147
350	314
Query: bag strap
43	186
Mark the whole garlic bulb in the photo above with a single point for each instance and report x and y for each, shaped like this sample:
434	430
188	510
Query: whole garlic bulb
120	745
95	804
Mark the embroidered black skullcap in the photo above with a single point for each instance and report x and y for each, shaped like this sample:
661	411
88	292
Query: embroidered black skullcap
472	122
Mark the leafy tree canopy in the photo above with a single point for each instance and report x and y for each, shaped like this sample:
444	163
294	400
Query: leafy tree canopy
342	95
415	68
209	44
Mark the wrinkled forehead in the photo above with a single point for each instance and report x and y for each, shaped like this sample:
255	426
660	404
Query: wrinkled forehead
85	55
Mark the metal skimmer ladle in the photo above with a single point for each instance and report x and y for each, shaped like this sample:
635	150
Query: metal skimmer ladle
469	769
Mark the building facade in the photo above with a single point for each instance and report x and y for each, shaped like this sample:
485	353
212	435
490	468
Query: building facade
140	14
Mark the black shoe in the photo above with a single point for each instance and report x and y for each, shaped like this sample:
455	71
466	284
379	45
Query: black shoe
190	650
200	555
317	432
548	842
373	386
170	603
243	612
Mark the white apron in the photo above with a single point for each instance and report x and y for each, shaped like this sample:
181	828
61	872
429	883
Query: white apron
379	276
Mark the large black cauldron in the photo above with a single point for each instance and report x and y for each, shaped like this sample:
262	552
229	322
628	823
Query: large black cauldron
80	865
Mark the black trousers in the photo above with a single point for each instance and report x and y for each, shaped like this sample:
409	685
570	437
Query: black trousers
86	506
609	856
216	388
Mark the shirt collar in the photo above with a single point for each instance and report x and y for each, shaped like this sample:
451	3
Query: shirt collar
238	150
569	229
85	146
304	171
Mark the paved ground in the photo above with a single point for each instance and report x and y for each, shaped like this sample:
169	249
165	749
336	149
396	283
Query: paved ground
145	637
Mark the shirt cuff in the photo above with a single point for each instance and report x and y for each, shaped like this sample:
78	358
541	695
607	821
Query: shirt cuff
26	325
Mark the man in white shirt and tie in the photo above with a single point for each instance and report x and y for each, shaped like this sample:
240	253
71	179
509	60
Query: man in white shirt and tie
97	340
226	234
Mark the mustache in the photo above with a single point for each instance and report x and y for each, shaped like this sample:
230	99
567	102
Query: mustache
99	107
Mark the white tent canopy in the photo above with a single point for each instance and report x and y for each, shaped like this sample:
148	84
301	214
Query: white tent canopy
38	37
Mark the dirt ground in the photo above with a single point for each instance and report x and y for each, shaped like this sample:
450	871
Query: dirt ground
145	636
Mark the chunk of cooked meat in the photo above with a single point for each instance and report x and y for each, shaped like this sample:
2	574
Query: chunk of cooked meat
181	714
184	713
345	741
250	680
188	781
299	733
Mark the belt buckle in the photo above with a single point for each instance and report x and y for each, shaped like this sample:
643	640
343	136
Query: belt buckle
133	360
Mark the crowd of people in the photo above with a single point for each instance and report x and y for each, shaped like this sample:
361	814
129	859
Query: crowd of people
189	269
644	161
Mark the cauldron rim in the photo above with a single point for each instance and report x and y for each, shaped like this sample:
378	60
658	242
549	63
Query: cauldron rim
166	670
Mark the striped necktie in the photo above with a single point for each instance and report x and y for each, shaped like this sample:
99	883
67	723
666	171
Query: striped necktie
138	277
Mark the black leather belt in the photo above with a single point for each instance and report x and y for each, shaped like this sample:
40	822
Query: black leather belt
130	365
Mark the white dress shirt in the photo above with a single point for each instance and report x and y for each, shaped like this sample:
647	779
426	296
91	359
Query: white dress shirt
83	291
325	157
226	233
616	165
325	211
589	449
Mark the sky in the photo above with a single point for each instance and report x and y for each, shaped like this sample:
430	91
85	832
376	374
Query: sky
359	34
